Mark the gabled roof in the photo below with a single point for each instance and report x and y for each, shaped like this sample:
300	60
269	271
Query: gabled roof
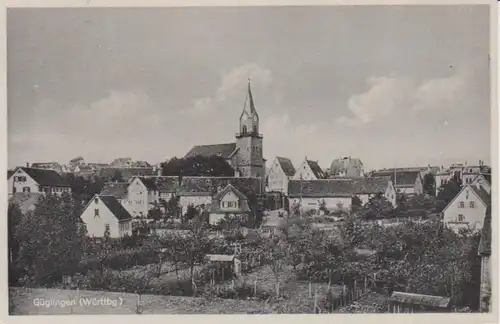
485	241
116	208
223	150
115	189
196	186
483	194
149	183
286	165
485	176
47	165
480	192
337	187
316	169
45	177
9	173
209	186
399	178
166	184
228	188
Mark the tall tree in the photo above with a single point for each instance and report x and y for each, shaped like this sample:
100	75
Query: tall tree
212	166
429	184
450	189
117	176
50	236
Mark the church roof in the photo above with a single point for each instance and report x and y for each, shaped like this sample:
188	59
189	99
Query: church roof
225	150
287	165
316	169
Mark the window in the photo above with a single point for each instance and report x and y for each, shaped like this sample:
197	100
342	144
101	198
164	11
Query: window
96	212
461	204
467	194
96	200
461	217
471	204
26	189
107	227
244	129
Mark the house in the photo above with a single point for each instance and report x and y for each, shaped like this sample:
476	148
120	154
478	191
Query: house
33	180
106	213
309	170
123	162
337	194
228	202
467	209
483	180
406	180
484	251
245	155
230	263
143	195
127	173
281	171
346	167
48	166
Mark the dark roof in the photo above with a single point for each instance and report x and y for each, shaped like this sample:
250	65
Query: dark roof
403	178
166	184
47	165
337	187
126	172
46	177
483	194
417	299
209	186
223	150
85	168
485	241
149	183
9	173
115	189
316	169
286	165
116	208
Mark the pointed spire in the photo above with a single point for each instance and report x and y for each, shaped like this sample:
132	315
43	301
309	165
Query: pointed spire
249	104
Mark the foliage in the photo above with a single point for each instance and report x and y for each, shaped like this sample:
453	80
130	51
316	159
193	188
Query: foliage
191	212
48	236
450	189
429	184
378	207
155	213
117	176
83	189
173	207
14	218
356	203
214	166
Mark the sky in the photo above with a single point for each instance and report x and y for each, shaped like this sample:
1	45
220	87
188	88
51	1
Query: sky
391	85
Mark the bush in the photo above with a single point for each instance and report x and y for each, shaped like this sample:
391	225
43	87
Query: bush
119	260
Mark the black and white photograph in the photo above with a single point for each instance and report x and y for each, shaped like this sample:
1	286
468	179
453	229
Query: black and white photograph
312	159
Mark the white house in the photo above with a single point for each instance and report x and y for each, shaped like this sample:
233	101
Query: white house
228	202
281	171
467	209
143	195
105	212
32	180
406	180
309	170
336	194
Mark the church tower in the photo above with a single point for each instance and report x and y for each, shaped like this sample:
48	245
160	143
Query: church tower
250	161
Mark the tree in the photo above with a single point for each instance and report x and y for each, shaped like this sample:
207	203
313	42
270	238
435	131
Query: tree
450	189
191	212
211	166
378	207
50	236
356	203
275	253
173	208
155	213
117	176
14	218
429	184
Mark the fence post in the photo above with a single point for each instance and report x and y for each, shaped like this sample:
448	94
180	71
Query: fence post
255	288
315	303
365	282
310	290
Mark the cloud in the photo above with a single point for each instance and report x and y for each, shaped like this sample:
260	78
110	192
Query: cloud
283	136
230	87
393	95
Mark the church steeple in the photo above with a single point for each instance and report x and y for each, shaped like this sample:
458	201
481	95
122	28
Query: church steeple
249	119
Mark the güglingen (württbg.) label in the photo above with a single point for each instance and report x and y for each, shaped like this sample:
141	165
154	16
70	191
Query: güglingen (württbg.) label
80	301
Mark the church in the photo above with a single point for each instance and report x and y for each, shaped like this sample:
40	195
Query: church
245	155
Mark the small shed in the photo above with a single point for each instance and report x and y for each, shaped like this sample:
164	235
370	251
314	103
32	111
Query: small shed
228	263
402	302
